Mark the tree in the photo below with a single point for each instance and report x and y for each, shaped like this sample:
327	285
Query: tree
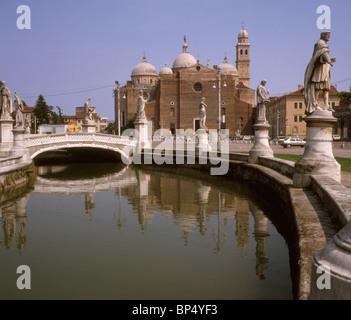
110	129
42	111
56	118
345	97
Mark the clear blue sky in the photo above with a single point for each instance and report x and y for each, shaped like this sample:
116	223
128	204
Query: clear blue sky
83	45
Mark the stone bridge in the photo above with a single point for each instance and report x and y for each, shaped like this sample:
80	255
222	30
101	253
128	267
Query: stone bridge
37	144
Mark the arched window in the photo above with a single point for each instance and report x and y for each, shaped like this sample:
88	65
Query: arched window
246	52
241	52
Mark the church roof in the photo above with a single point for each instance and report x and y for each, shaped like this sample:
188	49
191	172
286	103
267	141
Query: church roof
185	59
243	33
165	70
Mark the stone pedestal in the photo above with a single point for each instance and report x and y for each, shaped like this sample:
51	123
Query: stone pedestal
203	144
89	126
331	273
18	148
318	157
261	147
143	140
6	136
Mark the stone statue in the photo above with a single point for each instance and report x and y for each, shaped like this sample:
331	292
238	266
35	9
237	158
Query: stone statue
141	106
88	111
6	100
19	111
262	100
27	124
203	107
317	75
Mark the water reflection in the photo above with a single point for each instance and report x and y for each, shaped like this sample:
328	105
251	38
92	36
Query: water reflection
194	206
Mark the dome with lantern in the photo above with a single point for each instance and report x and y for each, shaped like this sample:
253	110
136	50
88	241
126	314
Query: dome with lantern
184	59
144	68
165	70
226	68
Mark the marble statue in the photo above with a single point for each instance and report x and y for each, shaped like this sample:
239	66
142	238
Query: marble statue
203	107
27	125
88	111
6	100
19	111
141	106
261	93
317	75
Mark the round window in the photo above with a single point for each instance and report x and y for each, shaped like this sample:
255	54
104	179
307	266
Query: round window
197	87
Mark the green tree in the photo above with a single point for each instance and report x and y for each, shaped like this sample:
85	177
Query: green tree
42	111
110	129
56	118
345	97
129	125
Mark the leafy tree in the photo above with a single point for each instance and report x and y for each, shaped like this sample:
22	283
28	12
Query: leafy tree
129	125
345	97
110	129
56	118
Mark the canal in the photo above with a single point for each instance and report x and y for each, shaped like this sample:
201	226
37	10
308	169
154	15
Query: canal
105	231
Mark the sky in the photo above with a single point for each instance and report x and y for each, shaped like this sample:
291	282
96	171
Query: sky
78	49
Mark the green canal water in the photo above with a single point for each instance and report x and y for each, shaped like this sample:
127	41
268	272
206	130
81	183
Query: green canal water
104	231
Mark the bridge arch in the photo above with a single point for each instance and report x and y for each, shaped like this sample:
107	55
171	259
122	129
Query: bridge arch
121	146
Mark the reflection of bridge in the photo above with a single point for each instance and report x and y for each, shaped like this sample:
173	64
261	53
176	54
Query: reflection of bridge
37	144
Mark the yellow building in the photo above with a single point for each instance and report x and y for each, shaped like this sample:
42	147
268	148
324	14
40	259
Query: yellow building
285	114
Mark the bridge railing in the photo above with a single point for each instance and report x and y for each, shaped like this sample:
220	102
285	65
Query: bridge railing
35	140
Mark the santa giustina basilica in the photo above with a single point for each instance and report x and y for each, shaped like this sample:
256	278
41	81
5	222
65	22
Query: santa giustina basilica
175	93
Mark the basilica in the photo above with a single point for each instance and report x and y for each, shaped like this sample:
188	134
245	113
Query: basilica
176	93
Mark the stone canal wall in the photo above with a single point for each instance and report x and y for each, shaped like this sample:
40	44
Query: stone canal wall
308	218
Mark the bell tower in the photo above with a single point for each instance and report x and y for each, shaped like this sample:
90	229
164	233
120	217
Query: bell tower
243	57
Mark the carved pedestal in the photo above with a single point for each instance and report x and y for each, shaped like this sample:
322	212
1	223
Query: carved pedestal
143	140
18	148
88	126
203	144
6	136
261	147
331	274
318	157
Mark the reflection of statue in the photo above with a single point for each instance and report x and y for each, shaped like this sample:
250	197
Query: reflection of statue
141	106
6	100
317	75
88	111
262	100
19	111
203	107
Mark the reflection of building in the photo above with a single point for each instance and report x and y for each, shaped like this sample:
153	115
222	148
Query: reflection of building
242	223
176	92
285	113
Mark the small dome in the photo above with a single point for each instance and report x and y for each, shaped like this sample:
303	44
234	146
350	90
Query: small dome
144	69
185	59
227	69
165	70
243	33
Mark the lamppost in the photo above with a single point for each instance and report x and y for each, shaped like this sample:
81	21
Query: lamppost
118	109
219	120
277	123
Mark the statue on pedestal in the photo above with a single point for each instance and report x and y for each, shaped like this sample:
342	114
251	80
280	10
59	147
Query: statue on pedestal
88	111
317	75
27	125
261	92
5	100
203	107
141	106
19	112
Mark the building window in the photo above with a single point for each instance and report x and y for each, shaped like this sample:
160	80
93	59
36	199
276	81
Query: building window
300	118
300	105
295	105
246	52
171	112
295	118
197	87
241	52
150	80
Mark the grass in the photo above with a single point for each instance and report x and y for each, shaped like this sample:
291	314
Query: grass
344	162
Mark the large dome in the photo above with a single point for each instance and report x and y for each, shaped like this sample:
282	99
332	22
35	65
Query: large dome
227	69
144	69
185	59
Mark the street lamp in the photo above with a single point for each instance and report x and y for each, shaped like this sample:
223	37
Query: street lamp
277	123
219	119
118	110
